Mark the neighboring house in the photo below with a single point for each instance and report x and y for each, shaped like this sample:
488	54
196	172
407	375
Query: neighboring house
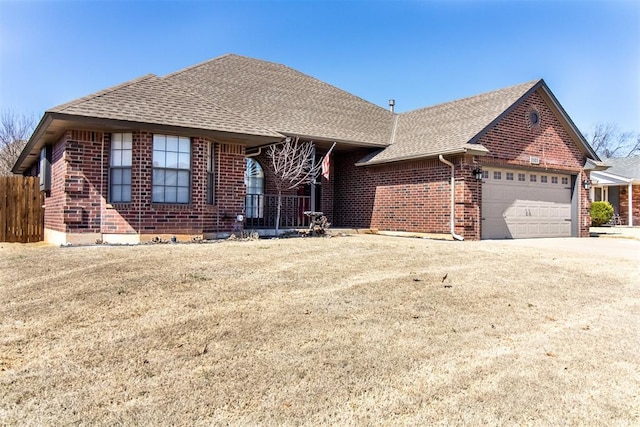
620	186
184	155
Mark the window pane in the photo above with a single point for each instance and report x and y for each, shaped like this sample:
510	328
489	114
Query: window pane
158	194
126	176
172	160
171	178
183	179
159	159
183	195
126	157
185	145
116	193
158	178
116	141
127	141
159	142
116	176
126	193
170	194
184	161
116	157
172	143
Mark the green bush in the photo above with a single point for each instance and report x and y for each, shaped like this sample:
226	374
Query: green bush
601	213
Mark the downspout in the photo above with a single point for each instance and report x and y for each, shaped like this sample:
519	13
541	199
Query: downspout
630	198
102	197
453	199
254	154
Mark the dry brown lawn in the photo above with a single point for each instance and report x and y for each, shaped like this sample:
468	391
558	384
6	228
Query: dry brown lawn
358	330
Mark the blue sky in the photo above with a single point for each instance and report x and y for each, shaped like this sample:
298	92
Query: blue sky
419	52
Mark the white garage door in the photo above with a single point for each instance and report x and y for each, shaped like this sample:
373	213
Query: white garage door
520	204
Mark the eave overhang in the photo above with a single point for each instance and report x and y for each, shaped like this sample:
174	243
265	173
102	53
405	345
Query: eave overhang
53	125
478	150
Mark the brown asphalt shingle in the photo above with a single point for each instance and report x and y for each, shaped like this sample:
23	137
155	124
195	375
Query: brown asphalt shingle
243	95
287	101
447	127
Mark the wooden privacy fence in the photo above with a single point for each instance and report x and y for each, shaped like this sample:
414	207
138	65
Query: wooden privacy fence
21	212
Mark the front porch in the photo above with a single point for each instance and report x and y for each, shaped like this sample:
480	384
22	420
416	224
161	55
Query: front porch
261	211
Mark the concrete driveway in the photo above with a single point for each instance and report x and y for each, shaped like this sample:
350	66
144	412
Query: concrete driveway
601	247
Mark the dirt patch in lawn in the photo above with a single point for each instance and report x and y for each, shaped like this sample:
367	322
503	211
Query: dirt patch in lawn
347	330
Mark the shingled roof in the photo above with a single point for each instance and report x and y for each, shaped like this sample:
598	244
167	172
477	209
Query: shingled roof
287	101
627	167
448	128
250	98
241	95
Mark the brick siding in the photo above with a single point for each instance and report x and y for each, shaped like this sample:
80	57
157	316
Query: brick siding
411	196
624	205
414	196
78	201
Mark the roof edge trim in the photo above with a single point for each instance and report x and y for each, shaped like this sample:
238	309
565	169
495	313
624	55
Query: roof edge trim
461	150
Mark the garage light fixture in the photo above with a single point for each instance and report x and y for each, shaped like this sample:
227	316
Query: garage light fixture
586	184
477	173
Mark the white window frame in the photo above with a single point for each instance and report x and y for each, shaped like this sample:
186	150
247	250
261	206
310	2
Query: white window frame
254	186
211	176
120	163
171	175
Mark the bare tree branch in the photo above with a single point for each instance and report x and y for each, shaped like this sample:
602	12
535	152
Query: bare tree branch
292	165
15	130
608	141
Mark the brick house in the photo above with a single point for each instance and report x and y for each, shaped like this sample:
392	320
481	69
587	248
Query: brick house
620	186
184	155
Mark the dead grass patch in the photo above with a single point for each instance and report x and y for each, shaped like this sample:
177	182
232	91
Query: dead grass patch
352	330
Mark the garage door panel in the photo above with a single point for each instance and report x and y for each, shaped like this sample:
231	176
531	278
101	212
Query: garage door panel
521	209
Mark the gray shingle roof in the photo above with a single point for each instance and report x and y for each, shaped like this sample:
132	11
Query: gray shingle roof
449	127
248	96
628	167
241	95
151	99
286	100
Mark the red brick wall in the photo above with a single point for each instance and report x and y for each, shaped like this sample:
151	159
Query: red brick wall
514	140
407	196
624	205
56	198
414	196
78	201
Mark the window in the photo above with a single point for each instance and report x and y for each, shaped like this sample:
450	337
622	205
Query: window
534	118
211	178
521	177
509	176
543	178
254	182
120	168
600	194
565	180
485	174
171	169
554	179
45	168
497	175
533	178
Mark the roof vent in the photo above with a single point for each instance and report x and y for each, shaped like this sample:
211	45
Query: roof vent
392	103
